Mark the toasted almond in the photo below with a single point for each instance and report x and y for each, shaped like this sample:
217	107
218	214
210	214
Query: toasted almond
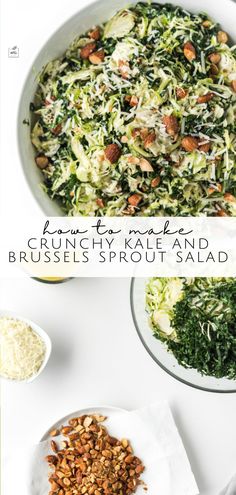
214	69
54	446
181	93
213	189
171	123
222	213
145	165
205	147
206	23
222	37
112	152
95	34
42	161
133	101
54	433
229	198
100	203
189	143
87	422
189	51
57	130
134	160
149	139
233	85
155	182
135	132
215	58
205	98
134	199
87	50
97	58
144	131
65	430
124	68
124	139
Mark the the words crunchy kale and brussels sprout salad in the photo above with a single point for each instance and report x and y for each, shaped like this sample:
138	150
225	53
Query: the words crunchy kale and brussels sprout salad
138	117
196	319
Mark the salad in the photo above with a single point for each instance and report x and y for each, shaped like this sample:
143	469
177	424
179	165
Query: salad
138	117
195	318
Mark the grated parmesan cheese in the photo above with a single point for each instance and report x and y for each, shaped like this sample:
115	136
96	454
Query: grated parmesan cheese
22	350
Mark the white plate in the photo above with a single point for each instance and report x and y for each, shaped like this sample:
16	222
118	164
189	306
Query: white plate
44	336
96	13
103	410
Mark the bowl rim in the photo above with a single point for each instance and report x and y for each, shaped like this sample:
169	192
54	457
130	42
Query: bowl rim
41	203
173	375
41	333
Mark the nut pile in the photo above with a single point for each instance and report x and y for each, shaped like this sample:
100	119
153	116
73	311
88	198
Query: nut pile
90	461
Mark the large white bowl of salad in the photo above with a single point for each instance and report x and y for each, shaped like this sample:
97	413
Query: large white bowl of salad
130	110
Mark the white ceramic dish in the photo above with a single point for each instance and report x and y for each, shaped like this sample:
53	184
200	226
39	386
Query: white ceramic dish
103	410
95	13
158	351
41	333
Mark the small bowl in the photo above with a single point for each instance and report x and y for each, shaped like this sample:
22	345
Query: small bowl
39	331
46	280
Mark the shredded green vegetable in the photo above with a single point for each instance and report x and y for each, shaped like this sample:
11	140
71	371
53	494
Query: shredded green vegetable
200	324
158	84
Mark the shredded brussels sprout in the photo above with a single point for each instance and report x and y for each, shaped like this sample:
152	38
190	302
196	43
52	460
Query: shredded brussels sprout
138	117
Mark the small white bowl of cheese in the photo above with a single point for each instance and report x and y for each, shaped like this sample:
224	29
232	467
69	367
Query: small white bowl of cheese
25	348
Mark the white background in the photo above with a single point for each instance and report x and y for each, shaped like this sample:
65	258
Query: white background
97	357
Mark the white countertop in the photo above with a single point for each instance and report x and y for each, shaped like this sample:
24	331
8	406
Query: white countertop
98	359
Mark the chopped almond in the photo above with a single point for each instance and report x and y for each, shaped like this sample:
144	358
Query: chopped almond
135	132
171	123
87	50
95	34
144	133
133	101
155	182
221	213
42	161
124	139
233	85
205	98
215	58
189	143
123	66
56	130
134	160
206	23
214	69
145	165
189	51
205	147
100	203
222	37
181	93
135	199
213	189
149	139
97	57
229	198
112	152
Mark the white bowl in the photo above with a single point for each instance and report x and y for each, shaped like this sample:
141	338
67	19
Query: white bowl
39	331
96	13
